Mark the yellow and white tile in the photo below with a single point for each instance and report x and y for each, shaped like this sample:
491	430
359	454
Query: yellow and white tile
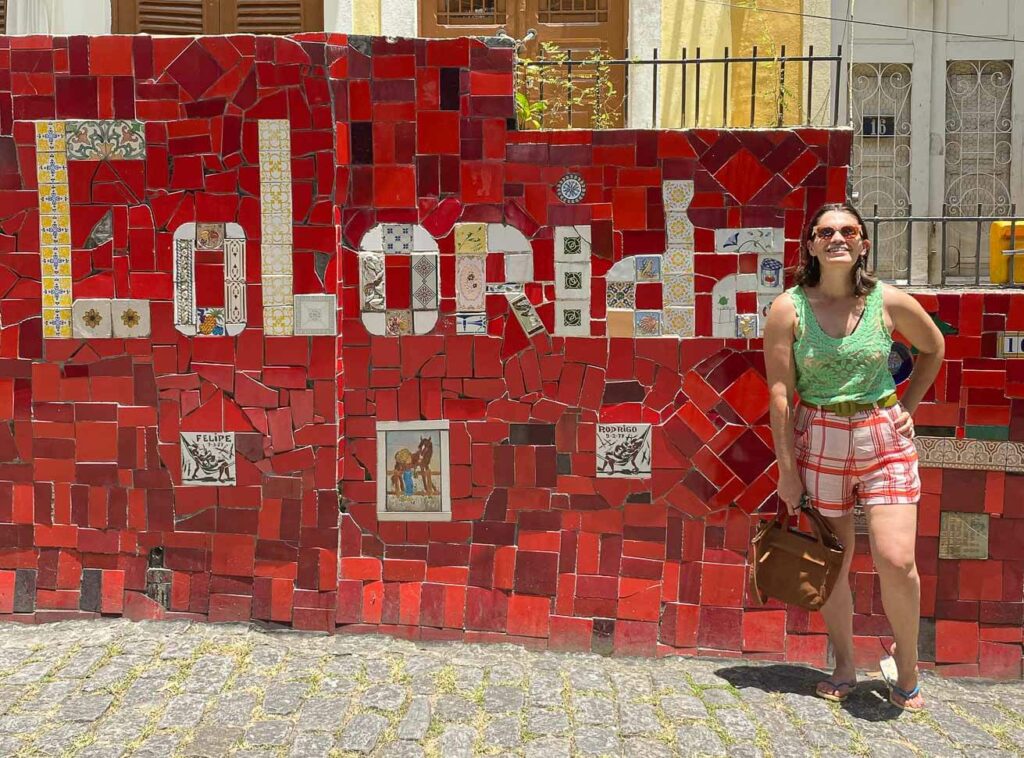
276	260
50	137
55	229
56	291
53	200
471	238
57	323
278	320
55	260
678	290
277	290
51	168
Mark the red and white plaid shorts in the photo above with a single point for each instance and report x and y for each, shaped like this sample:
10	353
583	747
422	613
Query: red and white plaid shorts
858	458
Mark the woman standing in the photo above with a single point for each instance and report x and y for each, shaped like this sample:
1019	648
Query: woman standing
848	440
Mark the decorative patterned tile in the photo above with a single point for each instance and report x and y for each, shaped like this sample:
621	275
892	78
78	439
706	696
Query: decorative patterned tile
211	322
424	281
759	240
770	279
678	231
677	261
677	194
571	188
678	321
526	314
207	459
316	314
1010	344
572	281
371	282
572	319
56	292
678	290
397	238
414	480
50	137
234	306
470	323
471	238
91	319
747	326
647	323
963	536
105	140
55	230
277	228
978	455
503	288
398	322
648	268
55	261
621	323
51	168
277	290
56	323
764	302
572	243
184	284
519	267
621	294
234	260
470	283
275	260
275	168
209	236
130	318
275	136
623	451
278	320
53	200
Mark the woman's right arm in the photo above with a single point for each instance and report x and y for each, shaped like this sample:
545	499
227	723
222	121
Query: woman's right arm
779	329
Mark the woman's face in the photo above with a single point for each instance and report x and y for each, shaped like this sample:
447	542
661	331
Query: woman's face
837	240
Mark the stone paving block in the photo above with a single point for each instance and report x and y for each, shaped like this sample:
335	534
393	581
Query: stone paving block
594	710
158	746
272	732
401	749
548	747
416	721
363	732
384	697
283	698
30	672
212	741
322	714
503	699
454	708
545	690
680	707
699	740
81	663
638	718
468	677
457	741
234	708
311	745
589	680
719	698
503	733
597	740
546	723
638	747
737	724
86	707
55	739
183	711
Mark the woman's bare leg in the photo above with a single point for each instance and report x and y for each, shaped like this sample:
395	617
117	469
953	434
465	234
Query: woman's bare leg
838	611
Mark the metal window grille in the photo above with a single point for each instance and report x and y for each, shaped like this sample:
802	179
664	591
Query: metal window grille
471	12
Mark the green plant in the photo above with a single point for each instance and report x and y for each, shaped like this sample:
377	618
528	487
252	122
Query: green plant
550	94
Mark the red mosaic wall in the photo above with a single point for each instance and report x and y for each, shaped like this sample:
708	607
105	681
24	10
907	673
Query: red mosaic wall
540	549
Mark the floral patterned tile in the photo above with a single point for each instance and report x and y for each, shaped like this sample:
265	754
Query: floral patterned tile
679	290
130	318
678	321
57	323
91	319
278	320
50	137
621	294
316	314
677	194
105	140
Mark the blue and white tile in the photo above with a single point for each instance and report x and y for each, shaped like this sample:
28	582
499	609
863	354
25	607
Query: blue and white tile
397	239
471	323
770	273
752	240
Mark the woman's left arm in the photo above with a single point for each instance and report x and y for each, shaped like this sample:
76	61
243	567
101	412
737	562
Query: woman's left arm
914	323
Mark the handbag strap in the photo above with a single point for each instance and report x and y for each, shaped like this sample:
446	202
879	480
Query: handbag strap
821	526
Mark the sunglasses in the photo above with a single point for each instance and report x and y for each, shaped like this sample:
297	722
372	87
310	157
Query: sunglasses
827	232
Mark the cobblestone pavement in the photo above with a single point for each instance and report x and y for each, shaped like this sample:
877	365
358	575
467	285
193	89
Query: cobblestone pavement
112	688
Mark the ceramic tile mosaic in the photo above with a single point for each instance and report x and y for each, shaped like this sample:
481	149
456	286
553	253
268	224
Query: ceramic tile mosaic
105	140
470	323
275	153
54	228
91	319
571	188
130	319
572	319
210	236
208	459
310	149
1010	344
747	326
770	274
413	458
316	314
524	311
761	240
963	536
396	238
471	238
572	243
648	268
623	450
572	281
470	283
621	294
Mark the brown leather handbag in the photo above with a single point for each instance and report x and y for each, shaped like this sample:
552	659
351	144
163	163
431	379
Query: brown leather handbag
794	567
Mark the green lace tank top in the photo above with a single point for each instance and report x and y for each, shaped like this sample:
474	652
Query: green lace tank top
852	368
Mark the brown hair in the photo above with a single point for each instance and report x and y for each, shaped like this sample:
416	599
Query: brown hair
808	274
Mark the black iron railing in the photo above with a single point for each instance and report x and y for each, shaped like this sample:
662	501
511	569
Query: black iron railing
956	246
765	101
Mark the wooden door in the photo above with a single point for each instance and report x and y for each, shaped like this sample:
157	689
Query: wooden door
582	26
217	16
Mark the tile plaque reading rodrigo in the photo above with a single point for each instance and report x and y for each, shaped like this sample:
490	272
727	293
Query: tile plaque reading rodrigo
963	535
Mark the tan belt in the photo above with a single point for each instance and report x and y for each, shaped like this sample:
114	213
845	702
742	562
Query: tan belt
849	407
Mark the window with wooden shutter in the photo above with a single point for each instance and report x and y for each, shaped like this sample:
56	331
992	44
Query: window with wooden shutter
471	12
3	16
573	11
218	16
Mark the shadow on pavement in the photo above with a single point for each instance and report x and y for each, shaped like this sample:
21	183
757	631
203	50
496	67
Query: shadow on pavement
869	702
